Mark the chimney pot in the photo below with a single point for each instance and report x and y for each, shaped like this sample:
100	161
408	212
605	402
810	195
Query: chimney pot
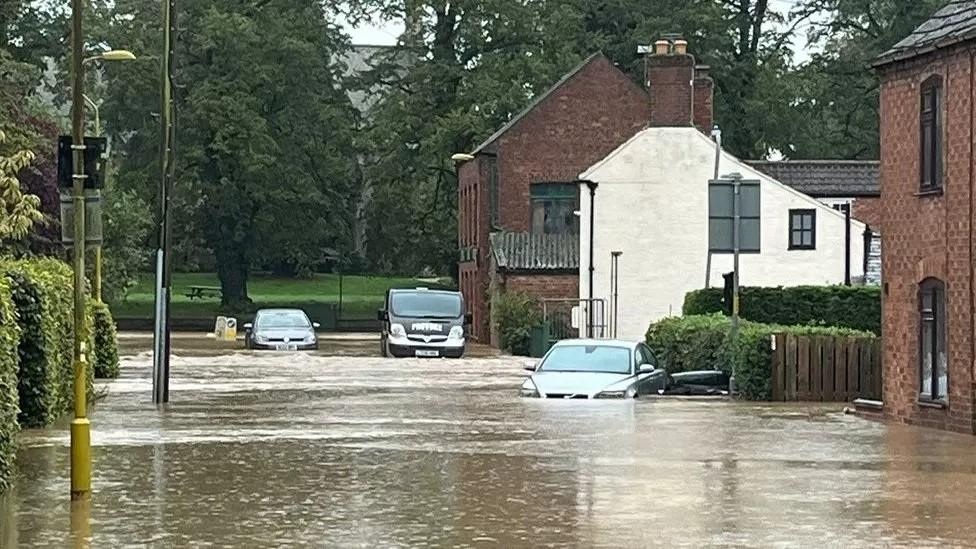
680	47
662	47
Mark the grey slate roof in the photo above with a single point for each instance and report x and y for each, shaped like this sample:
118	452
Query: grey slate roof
534	252
954	23
825	178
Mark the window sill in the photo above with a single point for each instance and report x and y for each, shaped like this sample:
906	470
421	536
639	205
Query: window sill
934	404
929	192
801	249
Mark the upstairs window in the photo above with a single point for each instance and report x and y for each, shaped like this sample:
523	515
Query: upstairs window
553	207
931	136
933	371
492	169
803	229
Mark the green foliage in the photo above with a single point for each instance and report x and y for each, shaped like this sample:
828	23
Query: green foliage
127	226
9	341
42	295
855	307
514	314
703	342
105	351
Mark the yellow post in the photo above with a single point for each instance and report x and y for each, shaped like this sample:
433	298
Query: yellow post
80	428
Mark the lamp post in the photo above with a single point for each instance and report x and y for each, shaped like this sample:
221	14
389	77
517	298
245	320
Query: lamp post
111	55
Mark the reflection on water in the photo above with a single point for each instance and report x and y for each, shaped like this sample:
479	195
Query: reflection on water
299	450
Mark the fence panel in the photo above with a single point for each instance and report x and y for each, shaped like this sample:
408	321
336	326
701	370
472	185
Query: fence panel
825	369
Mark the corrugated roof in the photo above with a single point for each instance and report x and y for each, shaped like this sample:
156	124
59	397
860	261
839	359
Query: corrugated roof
535	252
535	102
825	178
954	23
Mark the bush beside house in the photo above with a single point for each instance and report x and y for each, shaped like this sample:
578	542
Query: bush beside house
702	342
9	341
855	307
515	314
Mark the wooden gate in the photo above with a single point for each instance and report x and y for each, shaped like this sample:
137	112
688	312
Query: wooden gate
826	369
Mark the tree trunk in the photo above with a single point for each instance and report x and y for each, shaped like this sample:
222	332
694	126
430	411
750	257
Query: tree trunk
232	270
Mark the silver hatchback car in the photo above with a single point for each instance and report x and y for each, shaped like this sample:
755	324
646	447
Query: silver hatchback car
281	330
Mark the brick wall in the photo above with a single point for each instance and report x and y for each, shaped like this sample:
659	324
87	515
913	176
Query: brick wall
573	128
927	236
669	81
868	211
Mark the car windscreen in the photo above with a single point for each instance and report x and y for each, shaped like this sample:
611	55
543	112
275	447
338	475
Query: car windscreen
588	358
282	319
425	305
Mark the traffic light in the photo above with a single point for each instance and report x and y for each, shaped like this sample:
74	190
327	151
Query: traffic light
95	149
727	293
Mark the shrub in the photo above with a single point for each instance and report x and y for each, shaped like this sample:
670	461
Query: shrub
855	307
9	341
42	296
704	343
514	314
105	351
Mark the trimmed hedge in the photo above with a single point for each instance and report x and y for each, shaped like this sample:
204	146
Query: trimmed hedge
9	341
854	307
703	343
105	351
42	295
514	314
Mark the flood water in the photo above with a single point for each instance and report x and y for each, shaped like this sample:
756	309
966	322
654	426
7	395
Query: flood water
340	450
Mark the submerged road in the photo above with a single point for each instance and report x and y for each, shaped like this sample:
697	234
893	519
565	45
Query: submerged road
345	449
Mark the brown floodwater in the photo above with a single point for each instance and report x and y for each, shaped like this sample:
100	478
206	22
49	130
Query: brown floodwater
337	450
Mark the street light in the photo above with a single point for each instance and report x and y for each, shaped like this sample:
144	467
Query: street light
111	55
462	157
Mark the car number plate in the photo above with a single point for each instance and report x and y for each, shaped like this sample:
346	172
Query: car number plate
286	347
427	353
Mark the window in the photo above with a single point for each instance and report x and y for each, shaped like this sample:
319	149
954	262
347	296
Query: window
803	229
492	167
931	135
553	207
933	373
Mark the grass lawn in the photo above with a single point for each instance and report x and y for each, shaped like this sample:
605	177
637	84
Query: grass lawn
361	295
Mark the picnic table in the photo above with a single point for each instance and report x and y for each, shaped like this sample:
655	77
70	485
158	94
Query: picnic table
200	292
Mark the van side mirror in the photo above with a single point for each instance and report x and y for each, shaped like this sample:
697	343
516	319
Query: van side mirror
316	325
468	318
248	326
646	368
381	315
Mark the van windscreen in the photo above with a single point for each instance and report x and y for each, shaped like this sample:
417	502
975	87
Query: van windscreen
426	305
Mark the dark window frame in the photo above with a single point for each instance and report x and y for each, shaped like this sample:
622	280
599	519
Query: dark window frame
553	191
932	319
491	166
931	119
794	230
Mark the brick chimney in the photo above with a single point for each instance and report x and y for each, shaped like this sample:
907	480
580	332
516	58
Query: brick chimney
680	90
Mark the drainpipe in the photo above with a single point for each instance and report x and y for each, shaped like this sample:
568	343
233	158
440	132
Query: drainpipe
972	181
847	245
868	237
592	185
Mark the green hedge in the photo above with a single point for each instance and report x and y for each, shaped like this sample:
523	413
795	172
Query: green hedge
42	295
855	307
514	314
105	351
9	341
703	343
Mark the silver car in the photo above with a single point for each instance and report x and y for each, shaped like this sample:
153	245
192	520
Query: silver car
281	330
595	368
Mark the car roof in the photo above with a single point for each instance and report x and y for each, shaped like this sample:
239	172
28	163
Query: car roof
280	311
598	342
422	291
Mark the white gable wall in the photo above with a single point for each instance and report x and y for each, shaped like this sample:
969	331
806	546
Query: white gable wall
652	205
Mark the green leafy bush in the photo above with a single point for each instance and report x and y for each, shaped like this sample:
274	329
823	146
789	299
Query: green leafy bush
105	351
855	307
9	426
704	343
42	296
514	314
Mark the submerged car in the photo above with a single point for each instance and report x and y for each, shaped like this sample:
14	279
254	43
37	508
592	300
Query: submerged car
590	368
281	330
420	322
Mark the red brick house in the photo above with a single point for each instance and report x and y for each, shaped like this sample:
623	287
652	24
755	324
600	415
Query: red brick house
928	135
522	181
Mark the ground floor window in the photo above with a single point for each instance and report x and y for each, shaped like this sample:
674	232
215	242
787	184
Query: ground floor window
933	370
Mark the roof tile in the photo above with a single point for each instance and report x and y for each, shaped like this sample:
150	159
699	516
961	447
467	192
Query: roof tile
535	252
825	178
956	22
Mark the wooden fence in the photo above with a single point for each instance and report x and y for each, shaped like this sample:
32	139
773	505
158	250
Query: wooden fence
826	369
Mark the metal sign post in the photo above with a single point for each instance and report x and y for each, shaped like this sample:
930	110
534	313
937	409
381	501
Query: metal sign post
734	227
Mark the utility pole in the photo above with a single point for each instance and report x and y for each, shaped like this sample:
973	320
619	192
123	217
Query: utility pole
717	136
736	234
164	268
80	426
